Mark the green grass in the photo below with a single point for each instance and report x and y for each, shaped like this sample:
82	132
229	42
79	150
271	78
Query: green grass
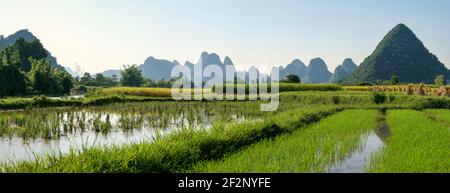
45	102
439	115
134	91
314	95
310	149
52	123
175	152
416	144
286	87
278	141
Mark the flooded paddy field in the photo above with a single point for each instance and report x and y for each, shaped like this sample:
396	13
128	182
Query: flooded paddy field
27	133
323	134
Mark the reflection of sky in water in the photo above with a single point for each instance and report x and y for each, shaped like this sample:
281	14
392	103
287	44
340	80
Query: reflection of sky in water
357	161
150	126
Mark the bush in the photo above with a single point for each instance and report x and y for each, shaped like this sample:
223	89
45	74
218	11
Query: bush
336	100
439	81
81	89
379	97
434	103
41	99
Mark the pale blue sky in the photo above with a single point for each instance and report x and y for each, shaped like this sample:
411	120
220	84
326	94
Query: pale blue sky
105	34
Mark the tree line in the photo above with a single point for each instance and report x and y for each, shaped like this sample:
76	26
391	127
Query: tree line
26	70
129	76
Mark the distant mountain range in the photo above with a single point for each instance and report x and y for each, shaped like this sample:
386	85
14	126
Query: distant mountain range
400	53
160	69
315	72
296	67
344	70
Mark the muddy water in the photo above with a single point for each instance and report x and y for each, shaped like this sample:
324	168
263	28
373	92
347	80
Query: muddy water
357	161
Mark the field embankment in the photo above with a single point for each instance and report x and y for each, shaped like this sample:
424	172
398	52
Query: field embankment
312	148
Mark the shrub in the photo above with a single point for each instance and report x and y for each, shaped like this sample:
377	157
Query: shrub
336	100
379	97
81	89
292	79
434	103
439	81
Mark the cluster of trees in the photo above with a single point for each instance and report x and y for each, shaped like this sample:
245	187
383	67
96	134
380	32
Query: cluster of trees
24	69
440	80
97	80
291	79
129	76
132	76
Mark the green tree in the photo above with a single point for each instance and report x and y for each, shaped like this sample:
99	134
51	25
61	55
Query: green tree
96	80
42	79
86	78
20	53
131	76
114	78
100	80
13	82
439	81
394	80
24	69
292	79
64	79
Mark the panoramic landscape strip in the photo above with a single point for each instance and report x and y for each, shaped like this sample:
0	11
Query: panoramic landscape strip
387	114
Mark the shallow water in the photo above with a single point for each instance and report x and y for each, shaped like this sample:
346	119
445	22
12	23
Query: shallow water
148	127
357	161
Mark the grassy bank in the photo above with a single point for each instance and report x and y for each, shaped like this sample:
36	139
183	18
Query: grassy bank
310	149
45	102
416	144
330	97
439	115
178	151
134	91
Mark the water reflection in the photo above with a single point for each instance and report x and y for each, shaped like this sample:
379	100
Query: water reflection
357	161
59	131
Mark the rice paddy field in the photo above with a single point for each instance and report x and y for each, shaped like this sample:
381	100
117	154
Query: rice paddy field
316	129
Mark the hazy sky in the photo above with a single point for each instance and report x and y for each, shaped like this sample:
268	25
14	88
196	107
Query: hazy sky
105	34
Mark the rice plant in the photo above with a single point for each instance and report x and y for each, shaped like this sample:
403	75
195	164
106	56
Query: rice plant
416	144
